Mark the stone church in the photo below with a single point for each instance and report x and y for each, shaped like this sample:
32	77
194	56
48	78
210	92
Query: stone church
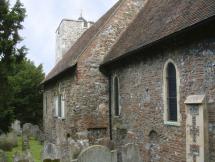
144	73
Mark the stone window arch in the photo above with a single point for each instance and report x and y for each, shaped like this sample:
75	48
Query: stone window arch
171	94
116	96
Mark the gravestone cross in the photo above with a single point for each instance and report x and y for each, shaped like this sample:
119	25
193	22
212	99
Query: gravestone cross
196	129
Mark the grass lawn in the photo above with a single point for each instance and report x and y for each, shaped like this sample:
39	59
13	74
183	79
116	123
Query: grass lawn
35	148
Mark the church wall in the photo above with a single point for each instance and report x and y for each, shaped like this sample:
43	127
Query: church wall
56	129
87	90
93	84
141	99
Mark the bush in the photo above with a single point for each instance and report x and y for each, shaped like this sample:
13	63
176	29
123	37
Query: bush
8	142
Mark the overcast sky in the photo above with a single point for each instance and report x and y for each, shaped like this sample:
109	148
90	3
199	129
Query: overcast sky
43	18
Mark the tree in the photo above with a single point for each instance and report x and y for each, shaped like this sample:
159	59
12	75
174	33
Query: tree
28	97
10	23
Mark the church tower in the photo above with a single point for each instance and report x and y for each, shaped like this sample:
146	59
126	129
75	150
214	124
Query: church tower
67	33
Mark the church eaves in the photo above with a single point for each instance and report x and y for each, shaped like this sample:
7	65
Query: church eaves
158	20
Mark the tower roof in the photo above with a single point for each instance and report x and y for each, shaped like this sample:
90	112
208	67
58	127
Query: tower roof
70	59
82	19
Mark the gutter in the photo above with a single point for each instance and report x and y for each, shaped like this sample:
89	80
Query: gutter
156	42
58	74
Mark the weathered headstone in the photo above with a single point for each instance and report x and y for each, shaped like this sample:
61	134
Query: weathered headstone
24	157
97	154
75	147
16	127
27	156
31	130
26	129
130	152
17	157
25	142
50	153
3	157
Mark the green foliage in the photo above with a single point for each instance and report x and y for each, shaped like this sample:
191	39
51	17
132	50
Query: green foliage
18	148
35	148
27	100
10	23
19	78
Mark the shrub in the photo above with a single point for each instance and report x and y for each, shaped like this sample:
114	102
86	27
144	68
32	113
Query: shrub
7	142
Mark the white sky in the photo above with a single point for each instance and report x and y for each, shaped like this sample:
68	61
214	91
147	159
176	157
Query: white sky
43	18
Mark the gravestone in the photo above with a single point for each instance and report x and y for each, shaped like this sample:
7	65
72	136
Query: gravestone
31	130
25	142
3	157
50	153
75	147
97	153
26	156
26	129
16	127
196	129
35	131
131	153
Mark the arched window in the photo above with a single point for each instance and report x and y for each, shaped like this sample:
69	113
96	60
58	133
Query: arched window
116	96
171	93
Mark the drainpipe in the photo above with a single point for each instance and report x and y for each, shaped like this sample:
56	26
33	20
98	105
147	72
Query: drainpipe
110	112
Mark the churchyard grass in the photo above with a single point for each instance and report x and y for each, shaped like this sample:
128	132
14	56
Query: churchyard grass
35	148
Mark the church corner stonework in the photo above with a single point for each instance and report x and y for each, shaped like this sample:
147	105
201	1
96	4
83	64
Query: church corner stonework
142	125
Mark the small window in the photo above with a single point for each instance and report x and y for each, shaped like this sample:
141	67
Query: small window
59	106
56	106
46	104
116	96
62	106
85	24
171	94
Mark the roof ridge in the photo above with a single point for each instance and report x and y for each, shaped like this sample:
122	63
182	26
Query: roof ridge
152	24
71	57
116	9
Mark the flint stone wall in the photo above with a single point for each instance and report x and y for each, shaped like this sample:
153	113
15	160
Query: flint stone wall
86	88
141	98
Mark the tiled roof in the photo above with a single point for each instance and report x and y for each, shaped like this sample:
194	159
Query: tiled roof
71	57
159	19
